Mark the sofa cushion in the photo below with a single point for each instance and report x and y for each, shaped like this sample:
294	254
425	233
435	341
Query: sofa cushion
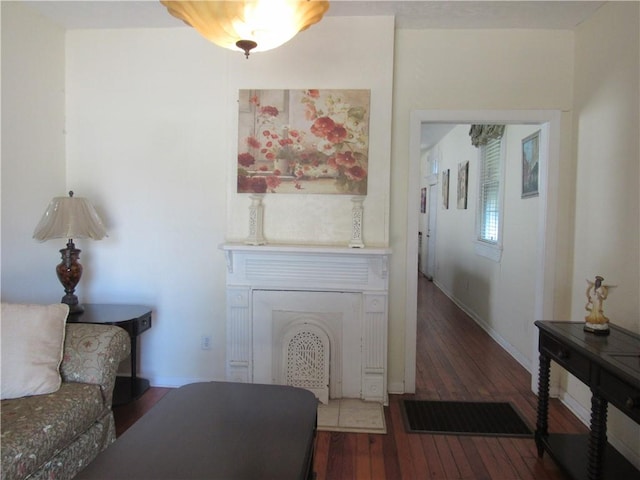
35	428
32	343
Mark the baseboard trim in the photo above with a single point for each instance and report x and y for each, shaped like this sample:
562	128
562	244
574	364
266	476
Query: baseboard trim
175	382
396	388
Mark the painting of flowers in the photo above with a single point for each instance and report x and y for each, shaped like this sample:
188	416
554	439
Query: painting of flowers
303	141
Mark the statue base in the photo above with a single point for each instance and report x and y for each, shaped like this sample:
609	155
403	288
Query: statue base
597	328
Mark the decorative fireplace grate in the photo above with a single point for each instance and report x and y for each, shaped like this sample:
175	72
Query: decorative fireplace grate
307	364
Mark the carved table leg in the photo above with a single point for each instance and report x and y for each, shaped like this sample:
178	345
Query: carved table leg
597	437
543	402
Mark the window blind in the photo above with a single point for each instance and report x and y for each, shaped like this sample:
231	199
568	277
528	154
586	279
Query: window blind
490	191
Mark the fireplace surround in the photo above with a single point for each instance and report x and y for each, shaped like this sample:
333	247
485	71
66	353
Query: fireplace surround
308	316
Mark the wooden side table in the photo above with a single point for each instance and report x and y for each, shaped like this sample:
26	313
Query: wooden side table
135	319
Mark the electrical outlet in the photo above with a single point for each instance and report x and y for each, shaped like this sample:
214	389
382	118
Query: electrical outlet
205	342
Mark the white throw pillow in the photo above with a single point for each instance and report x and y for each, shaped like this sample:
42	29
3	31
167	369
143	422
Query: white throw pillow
32	346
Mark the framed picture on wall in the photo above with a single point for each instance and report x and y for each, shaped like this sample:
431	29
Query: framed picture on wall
445	189
303	141
530	165
463	183
423	200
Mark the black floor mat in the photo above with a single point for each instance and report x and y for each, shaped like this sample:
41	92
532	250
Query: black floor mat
464	418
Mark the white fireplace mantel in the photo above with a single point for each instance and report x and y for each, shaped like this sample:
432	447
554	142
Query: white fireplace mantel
360	272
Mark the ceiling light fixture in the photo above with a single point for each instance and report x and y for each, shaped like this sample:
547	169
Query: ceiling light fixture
248	25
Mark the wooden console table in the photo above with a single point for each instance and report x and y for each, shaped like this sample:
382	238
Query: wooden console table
135	319
610	366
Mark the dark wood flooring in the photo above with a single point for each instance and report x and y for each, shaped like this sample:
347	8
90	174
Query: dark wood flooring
456	360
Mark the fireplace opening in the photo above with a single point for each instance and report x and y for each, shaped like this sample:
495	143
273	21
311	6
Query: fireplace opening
310	340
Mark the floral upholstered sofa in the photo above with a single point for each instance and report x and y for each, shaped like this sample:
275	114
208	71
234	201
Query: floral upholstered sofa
55	435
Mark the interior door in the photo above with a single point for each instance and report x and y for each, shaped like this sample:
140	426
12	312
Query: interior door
430	238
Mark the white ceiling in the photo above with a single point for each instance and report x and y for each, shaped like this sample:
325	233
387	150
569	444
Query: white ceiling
409	14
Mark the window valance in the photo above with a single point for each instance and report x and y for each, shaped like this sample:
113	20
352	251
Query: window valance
481	134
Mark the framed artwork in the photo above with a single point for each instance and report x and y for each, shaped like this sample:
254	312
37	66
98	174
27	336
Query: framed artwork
463	183
423	200
303	141
530	165
445	189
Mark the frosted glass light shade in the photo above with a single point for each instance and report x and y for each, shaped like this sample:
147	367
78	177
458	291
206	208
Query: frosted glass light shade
70	217
268	23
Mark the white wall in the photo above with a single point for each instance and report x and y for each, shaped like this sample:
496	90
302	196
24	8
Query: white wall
607	99
33	151
151	139
607	238
144	142
357	52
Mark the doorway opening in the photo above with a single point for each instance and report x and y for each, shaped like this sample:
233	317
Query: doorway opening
428	226
549	121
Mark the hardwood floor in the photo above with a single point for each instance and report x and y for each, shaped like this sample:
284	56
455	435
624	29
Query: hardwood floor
127	415
456	360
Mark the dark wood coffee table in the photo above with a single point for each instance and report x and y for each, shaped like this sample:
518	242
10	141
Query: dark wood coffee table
217	430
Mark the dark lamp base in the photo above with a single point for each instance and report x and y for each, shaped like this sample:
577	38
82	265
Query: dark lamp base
69	272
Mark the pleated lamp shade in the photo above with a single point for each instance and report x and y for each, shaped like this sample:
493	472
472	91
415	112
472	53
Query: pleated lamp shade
70	217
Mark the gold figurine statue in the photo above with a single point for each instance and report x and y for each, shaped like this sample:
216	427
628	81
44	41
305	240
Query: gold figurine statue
597	293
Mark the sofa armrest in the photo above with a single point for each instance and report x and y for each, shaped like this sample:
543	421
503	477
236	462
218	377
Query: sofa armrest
92	354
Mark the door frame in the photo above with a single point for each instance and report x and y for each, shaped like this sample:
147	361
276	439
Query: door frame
549	120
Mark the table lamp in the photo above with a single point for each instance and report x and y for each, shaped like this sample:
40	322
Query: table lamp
70	217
